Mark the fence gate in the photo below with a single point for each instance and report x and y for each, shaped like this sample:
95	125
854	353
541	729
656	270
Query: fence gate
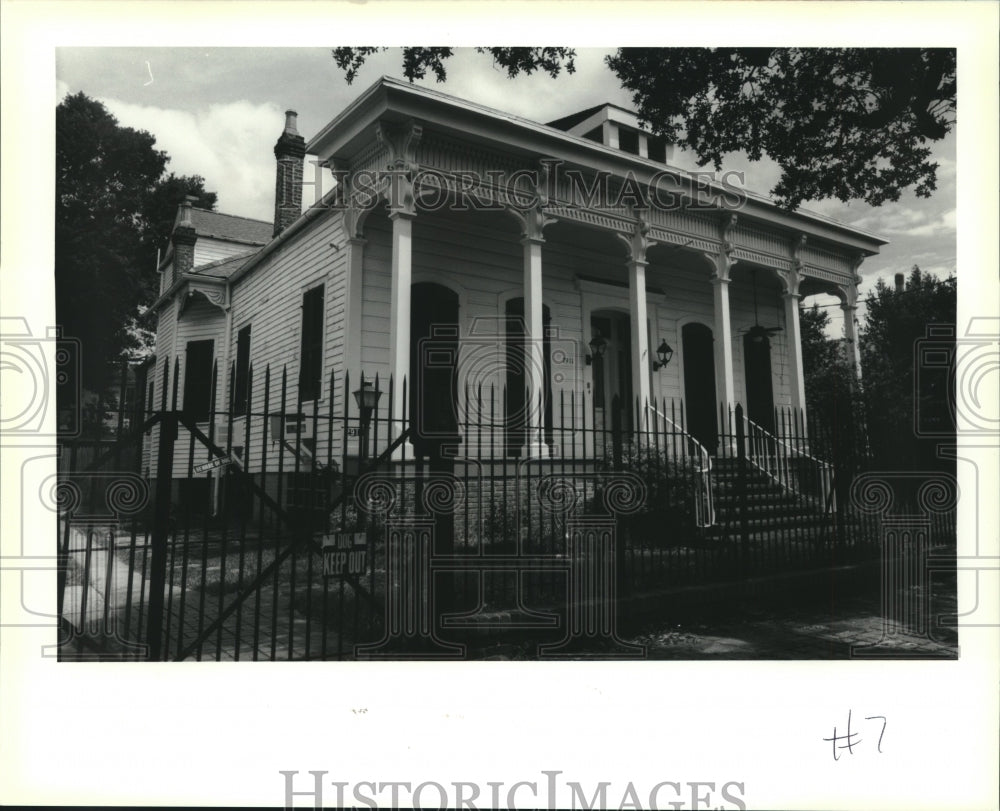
230	550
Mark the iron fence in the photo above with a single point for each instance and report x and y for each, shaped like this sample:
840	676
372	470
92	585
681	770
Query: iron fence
346	529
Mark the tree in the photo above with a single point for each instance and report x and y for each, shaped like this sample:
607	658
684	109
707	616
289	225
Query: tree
160	210
833	401
896	399
112	205
417	61
830	381
849	123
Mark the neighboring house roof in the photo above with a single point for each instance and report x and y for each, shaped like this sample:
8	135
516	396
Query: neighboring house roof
215	225
224	268
224	227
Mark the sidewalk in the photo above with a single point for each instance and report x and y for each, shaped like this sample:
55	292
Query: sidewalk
764	630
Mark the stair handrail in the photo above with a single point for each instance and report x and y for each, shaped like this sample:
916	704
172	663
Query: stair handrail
704	501
776	467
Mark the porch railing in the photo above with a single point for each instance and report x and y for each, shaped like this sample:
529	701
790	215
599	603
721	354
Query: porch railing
704	503
786	461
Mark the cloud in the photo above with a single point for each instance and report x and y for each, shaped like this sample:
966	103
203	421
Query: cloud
229	144
945	224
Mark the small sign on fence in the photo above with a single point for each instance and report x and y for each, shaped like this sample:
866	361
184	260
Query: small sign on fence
344	553
212	464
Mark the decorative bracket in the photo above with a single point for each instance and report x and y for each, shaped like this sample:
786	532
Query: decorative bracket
848	295
214	292
401	145
533	221
856	261
728	231
637	242
798	246
402	165
790	281
723	261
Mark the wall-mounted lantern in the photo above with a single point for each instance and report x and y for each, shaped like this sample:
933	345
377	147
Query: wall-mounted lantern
597	347
664	353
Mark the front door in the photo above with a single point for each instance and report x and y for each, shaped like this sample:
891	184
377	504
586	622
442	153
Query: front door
757	367
612	372
433	403
699	384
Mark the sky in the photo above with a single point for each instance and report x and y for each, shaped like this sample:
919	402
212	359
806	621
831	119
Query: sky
218	111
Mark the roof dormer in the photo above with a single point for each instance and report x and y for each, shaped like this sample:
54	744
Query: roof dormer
617	128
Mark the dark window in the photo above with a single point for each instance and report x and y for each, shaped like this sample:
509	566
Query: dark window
311	350
242	371
656	148
198	379
628	140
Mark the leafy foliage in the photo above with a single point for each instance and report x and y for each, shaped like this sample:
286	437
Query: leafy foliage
160	209
830	382
849	123
113	209
417	61
671	488
895	321
833	398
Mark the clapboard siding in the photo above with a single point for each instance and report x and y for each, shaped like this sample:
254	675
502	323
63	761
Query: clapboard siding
487	266
200	321
165	335
270	300
208	250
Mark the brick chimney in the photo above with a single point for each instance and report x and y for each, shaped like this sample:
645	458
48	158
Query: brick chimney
289	151
900	282
184	237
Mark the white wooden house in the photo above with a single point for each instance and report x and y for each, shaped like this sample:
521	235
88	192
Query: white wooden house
446	231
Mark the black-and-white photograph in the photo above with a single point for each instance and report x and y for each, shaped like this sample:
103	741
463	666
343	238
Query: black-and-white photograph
507	353
604	423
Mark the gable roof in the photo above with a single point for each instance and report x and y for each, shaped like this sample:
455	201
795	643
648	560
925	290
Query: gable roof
229	227
224	268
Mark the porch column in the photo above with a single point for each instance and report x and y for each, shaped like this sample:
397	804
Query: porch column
534	336
725	388
850	311
848	295
399	313
640	337
796	381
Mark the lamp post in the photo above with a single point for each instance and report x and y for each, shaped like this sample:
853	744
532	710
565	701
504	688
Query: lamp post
367	399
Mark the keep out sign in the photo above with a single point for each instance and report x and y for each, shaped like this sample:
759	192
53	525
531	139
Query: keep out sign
344	553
